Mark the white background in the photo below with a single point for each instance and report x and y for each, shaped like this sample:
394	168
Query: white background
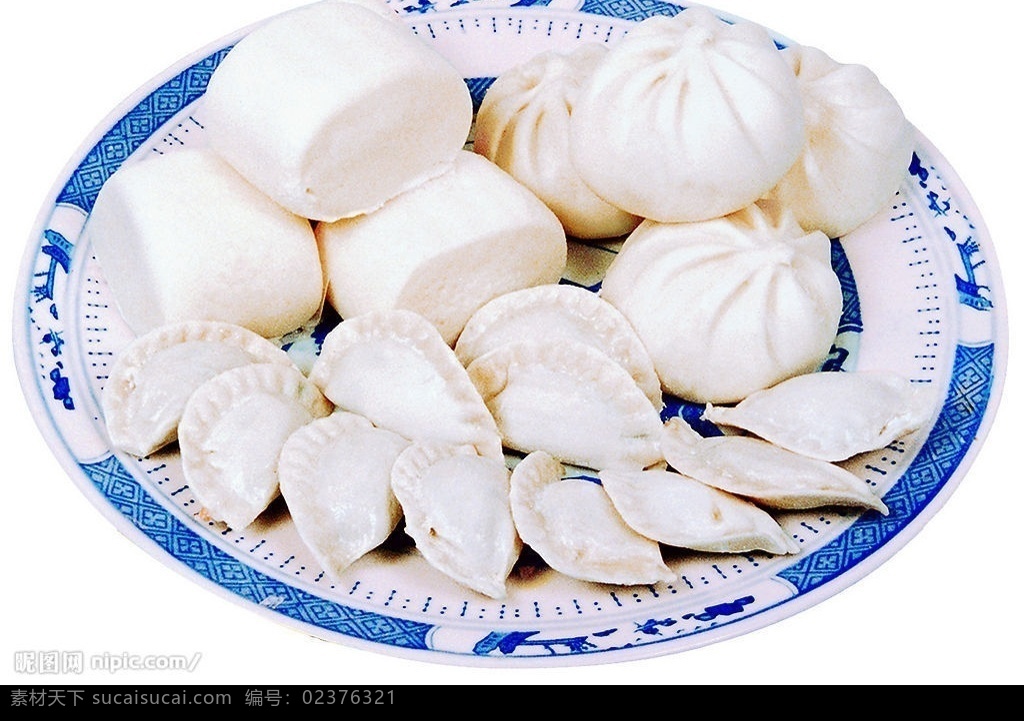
945	609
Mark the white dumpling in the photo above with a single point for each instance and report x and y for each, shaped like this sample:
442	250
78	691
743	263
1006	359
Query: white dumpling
765	473
394	368
730	306
572	524
153	378
683	512
523	127
456	506
688	118
832	416
557	313
232	432
859	145
335	477
568	400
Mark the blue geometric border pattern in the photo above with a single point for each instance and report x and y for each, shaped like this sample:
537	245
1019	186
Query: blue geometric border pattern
630	9
851	320
943	451
135	128
125	494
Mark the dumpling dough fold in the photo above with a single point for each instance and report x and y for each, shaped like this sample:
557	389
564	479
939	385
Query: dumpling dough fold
764	473
832	416
335	476
456	506
569	400
394	368
680	511
153	378
556	313
573	526
232	432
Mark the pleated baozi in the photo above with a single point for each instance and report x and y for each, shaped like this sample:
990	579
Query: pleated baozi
688	118
523	127
859	145
729	306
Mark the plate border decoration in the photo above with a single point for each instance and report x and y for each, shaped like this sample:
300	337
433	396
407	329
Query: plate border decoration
967	411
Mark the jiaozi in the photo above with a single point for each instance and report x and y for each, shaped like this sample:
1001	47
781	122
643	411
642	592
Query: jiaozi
680	511
765	473
394	368
153	378
335	476
456	506
572	524
232	432
832	416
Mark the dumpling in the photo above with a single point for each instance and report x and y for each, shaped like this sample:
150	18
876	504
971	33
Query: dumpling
557	313
765	473
568	400
333	108
683	512
182	236
572	524
832	416
153	378
444	248
859	145
688	118
456	506
232	432
335	476
730	306
394	368
523	127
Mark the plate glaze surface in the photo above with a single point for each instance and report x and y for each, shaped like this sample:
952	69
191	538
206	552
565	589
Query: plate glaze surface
920	299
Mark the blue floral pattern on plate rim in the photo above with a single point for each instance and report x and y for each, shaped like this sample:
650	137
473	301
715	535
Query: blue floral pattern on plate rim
973	383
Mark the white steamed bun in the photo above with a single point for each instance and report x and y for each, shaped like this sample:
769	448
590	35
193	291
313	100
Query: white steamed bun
688	118
333	108
729	306
859	145
523	127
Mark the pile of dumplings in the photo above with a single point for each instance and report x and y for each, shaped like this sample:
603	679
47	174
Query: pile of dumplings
466	393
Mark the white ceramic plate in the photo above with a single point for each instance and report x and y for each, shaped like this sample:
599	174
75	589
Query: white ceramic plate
923	299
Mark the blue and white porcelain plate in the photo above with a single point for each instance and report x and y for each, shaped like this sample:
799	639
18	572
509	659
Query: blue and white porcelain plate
922	298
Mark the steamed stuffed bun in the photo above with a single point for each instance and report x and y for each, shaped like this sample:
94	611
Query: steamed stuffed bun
688	118
859	145
523	127
729	306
